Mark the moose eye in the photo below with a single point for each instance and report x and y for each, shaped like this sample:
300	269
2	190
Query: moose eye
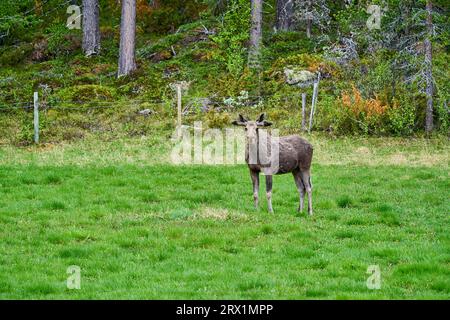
246	129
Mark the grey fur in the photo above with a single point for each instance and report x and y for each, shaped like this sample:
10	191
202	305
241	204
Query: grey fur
295	156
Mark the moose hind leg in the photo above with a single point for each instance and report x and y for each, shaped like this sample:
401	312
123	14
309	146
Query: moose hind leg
255	180
269	193
306	179
301	188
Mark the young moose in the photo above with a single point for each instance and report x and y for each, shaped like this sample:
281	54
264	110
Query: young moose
283	155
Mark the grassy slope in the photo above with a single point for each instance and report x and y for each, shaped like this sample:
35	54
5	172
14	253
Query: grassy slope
142	230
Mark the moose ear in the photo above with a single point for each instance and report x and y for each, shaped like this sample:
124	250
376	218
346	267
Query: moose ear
240	122
265	123
242	118
261	117
262	122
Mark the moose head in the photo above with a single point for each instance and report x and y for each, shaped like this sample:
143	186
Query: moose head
251	127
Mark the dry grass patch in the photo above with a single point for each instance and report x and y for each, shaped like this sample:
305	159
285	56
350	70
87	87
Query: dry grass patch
218	214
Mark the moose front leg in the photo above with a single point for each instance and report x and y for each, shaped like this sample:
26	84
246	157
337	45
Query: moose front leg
269	193
255	180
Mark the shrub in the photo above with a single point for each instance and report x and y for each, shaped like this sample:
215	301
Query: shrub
161	17
402	115
443	115
15	27
233	36
15	55
62	41
218	120
368	113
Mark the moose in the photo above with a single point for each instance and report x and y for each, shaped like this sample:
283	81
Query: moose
276	155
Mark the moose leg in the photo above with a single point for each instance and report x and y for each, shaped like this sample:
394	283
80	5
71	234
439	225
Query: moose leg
269	193
306	179
255	180
301	188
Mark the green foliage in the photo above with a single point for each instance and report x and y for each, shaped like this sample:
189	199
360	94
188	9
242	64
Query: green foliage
87	93
443	114
218	119
15	55
168	15
62	41
378	79
16	28
285	44
233	36
162	44
402	116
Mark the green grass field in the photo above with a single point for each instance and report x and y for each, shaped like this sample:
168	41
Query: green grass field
154	230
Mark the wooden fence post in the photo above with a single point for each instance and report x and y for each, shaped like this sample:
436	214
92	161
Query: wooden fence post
36	118
179	104
313	104
303	111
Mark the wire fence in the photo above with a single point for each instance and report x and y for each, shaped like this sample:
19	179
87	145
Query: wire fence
231	102
192	105
41	7
31	12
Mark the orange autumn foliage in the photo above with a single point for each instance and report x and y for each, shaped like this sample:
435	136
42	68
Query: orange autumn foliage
143	7
356	104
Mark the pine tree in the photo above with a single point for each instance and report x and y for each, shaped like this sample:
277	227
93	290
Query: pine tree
127	38
91	27
255	34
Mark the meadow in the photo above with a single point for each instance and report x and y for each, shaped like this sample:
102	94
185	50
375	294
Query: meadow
141	228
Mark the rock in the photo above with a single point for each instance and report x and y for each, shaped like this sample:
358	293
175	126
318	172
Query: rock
299	77
145	112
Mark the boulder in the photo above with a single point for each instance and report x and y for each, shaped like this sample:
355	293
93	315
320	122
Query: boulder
299	77
146	112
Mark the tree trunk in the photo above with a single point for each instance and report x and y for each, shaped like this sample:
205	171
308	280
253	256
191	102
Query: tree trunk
429	68
255	34
127	38
91	27
38	7
309	20
285	9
